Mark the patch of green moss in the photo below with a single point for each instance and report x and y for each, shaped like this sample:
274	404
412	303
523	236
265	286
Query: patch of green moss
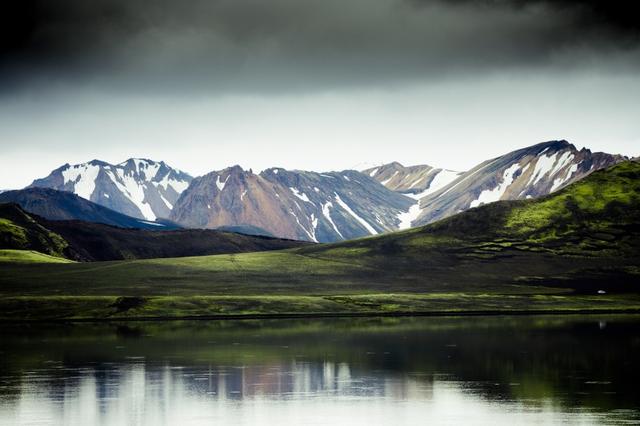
29	256
12	233
20	231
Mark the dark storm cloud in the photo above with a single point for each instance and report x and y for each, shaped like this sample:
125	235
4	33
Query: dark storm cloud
253	45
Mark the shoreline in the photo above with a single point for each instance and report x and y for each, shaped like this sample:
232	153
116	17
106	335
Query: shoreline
399	314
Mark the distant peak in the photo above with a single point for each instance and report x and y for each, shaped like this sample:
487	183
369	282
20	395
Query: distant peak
273	170
393	165
137	161
556	145
94	162
234	169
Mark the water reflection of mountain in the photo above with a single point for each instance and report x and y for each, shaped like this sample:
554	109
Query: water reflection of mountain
496	366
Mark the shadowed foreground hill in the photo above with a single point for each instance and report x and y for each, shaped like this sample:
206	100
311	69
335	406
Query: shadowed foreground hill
95	241
61	205
86	241
576	249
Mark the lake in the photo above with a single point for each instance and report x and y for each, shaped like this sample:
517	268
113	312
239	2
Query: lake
356	371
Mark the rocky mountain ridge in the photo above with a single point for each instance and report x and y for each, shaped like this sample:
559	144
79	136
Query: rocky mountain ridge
296	204
140	188
529	172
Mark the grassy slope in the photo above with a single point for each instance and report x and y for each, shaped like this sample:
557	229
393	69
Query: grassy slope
20	231
29	257
552	253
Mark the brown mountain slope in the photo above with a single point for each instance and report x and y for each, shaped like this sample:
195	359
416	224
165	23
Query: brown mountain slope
310	206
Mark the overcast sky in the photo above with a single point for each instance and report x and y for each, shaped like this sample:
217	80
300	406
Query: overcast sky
320	85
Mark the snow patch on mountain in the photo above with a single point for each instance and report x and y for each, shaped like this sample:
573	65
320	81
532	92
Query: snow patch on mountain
443	178
386	181
131	189
148	168
152	223
314	224
220	184
406	218
564	159
353	214
440	180
491	195
178	185
83	176
300	195
544	164
327	214
557	183
311	236
166	202
417	181
469	176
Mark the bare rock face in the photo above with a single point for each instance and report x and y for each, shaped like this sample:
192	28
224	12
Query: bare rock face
530	172
140	188
296	204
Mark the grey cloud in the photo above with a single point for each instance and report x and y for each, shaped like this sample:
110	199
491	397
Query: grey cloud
193	46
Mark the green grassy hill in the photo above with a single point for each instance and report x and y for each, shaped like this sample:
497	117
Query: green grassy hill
575	249
18	230
29	256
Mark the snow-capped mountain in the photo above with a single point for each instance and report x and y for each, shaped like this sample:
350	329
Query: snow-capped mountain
295	204
414	181
525	173
140	188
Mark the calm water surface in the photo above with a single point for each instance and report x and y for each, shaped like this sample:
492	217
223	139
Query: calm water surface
408	371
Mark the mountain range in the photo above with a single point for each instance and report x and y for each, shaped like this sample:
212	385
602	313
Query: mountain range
320	207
